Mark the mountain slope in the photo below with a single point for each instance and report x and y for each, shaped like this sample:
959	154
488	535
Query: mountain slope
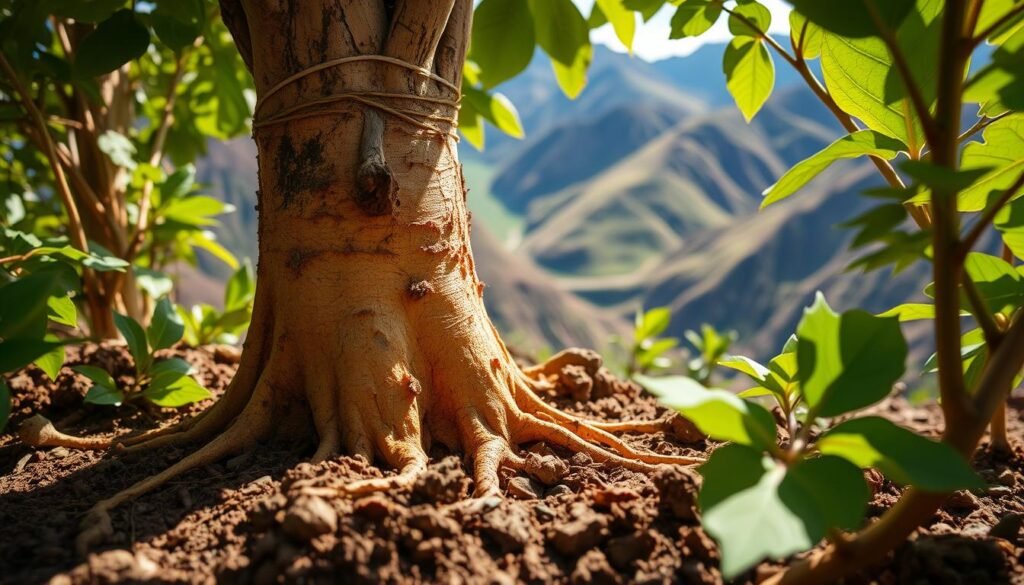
757	275
703	173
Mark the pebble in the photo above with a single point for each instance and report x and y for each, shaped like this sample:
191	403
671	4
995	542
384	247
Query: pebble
559	490
59	453
999	491
962	500
522	488
1008	478
309	517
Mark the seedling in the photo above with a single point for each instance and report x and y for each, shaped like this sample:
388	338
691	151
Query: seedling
711	345
164	382
810	486
205	324
648	350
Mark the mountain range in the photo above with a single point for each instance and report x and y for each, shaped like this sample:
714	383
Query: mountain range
645	192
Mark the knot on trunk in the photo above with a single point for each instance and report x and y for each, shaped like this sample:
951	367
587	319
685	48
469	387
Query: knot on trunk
376	190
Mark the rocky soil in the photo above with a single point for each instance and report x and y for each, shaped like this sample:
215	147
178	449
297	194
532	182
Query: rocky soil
250	519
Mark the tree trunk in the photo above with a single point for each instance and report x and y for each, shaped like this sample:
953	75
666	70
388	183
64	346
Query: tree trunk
369	326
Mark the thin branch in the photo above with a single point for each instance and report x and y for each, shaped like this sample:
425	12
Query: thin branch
978	229
64	191
763	35
984	318
155	156
906	75
978	126
973	15
996	25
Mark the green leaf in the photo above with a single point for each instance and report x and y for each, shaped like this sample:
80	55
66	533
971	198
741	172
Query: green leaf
116	146
179	183
197	211
792	508
998	283
1010	222
116	41
471	124
496	109
166	327
862	79
502	39
911	312
179	23
104	390
806	34
170	365
848	361
136	338
62	310
205	241
646	8
18	353
155	284
999	85
721	415
241	288
563	34
856	145
756	371
935	176
1002	151
52	361
751	12
651	323
902	455
24	306
694	17
622	19
172	389
853	18
749	74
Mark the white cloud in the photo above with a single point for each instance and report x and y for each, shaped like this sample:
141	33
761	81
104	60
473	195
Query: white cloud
652	43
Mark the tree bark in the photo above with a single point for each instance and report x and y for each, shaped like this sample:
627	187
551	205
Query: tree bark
369	328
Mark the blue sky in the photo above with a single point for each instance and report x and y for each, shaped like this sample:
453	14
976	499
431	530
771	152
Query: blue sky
652	42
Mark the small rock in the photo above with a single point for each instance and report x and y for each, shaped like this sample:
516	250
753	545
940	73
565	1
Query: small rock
509	528
975	530
1008	527
548	470
309	517
962	500
522	488
585	531
558	490
623	550
374	507
544	513
1007	478
59	453
998	491
593	569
